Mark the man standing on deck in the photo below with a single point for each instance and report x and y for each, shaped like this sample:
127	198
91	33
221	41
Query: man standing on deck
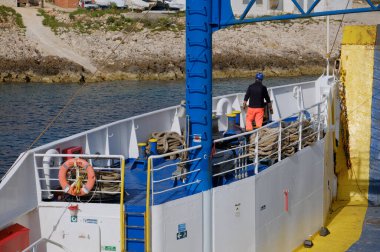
256	93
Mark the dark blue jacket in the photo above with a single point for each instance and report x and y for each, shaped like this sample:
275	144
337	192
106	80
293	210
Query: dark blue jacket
257	93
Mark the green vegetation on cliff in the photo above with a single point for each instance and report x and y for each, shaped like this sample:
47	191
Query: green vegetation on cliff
98	12
9	15
112	19
50	20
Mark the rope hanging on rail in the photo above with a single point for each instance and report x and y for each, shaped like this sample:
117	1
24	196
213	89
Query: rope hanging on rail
170	142
110	176
268	139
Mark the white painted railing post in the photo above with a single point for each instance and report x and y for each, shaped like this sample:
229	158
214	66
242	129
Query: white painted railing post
300	130
152	180
245	159
236	172
240	161
237	164
279	140
257	152
319	121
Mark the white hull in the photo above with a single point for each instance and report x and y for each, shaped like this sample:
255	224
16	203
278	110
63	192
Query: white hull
247	215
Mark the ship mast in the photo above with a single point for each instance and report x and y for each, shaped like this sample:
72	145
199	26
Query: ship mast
199	86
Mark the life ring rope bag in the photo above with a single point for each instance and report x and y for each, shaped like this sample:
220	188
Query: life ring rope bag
77	188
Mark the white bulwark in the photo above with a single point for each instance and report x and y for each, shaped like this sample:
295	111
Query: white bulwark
249	215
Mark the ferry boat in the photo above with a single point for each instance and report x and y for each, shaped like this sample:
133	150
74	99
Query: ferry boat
188	177
244	167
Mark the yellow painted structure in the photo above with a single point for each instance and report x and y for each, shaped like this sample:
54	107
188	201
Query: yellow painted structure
147	217
359	35
357	59
122	209
348	212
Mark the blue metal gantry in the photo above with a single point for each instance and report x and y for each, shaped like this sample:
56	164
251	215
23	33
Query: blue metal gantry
226	17
203	17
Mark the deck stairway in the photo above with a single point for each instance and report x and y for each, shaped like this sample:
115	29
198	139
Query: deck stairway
135	200
134	228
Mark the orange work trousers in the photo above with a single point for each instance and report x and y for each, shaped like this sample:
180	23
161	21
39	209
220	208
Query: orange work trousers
256	114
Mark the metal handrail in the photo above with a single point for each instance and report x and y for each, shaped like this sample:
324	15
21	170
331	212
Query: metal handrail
246	145
234	148
175	152
237	168
270	145
180	186
291	85
121	182
183	162
104	192
150	189
176	176
32	247
80	155
318	118
94	167
98	180
270	155
269	124
168	155
311	135
290	145
269	89
233	159
150	171
89	156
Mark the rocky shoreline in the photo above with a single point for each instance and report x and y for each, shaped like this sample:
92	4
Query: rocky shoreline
57	70
290	48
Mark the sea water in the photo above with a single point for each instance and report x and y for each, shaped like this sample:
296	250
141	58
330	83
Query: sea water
26	109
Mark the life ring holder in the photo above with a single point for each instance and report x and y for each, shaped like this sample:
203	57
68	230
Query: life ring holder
76	188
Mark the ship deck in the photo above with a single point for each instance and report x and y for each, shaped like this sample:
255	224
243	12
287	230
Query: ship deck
135	184
353	226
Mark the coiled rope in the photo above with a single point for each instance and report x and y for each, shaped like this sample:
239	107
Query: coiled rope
168	141
268	139
110	176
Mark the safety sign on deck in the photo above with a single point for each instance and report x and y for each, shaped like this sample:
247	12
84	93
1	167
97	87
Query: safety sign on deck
197	138
182	232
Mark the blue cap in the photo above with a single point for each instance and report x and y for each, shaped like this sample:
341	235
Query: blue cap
260	76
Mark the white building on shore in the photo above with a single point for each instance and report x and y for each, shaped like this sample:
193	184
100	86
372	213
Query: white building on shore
272	7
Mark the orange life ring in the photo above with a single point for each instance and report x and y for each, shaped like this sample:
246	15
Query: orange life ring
72	188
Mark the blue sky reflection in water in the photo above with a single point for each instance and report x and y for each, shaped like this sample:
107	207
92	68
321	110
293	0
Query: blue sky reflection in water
26	109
